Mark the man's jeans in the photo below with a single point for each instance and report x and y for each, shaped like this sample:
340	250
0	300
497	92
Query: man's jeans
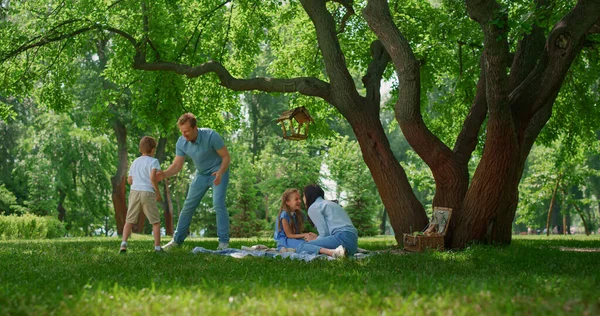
197	190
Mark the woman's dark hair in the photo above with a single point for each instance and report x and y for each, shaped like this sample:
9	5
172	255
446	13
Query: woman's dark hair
311	193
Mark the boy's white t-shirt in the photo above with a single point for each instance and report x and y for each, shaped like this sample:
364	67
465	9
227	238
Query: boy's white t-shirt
140	171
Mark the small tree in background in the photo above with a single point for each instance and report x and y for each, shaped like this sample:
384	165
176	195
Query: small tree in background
355	185
558	172
243	195
287	164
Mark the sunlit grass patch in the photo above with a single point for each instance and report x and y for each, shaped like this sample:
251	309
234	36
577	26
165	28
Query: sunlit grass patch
88	276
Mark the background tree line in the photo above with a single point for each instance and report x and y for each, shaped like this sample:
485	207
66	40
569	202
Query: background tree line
58	164
473	85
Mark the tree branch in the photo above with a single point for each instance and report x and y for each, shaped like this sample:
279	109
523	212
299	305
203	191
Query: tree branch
202	18
533	129
226	34
349	12
47	40
62	47
408	106
113	4
466	142
123	34
564	43
305	85
43	41
372	79
493	21
335	64
146	37
528	51
57	10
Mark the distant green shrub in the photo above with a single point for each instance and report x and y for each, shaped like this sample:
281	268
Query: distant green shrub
30	227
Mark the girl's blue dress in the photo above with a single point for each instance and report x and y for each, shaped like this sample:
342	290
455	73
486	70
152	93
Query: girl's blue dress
280	237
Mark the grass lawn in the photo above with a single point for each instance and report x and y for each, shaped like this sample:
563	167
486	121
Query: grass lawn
534	275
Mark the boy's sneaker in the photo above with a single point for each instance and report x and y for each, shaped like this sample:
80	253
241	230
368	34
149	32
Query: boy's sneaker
123	250
159	250
223	245
339	252
170	245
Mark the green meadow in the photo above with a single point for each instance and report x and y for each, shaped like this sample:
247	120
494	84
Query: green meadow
534	275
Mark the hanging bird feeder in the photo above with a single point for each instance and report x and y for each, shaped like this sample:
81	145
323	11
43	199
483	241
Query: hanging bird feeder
294	123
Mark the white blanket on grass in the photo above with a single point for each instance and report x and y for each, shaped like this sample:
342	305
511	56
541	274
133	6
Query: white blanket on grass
264	251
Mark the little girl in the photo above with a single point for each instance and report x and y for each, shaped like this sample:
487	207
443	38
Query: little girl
290	223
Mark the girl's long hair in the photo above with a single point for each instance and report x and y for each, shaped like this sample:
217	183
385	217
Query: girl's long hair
284	207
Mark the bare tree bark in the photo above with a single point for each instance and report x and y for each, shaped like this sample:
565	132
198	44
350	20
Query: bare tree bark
119	179
139	226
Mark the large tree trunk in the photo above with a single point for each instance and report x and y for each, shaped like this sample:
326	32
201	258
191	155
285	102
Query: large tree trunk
389	177
535	79
492	192
138	227
119	179
449	169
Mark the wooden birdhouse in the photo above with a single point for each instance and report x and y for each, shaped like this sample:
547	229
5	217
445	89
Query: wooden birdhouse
294	123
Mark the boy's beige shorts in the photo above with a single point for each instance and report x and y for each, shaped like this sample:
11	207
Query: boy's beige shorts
142	201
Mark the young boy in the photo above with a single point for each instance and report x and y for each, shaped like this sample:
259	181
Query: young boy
144	192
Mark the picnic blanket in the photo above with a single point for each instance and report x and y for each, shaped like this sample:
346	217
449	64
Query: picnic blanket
264	251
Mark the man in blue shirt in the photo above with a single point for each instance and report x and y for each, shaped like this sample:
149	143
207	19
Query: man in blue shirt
207	150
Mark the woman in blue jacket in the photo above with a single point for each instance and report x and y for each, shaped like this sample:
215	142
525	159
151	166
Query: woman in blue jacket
337	235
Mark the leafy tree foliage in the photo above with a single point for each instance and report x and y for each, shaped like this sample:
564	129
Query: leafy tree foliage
65	168
566	172
8	201
243	195
355	185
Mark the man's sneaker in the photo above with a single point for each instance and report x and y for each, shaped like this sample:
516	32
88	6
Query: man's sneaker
123	250
159	250
223	245
339	252
170	245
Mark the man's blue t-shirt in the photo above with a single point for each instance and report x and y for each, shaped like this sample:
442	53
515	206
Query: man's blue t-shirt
204	151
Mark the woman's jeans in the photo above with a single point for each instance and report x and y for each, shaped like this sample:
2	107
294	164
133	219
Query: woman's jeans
347	239
198	188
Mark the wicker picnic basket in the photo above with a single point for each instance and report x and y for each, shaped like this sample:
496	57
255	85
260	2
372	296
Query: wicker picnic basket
433	235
